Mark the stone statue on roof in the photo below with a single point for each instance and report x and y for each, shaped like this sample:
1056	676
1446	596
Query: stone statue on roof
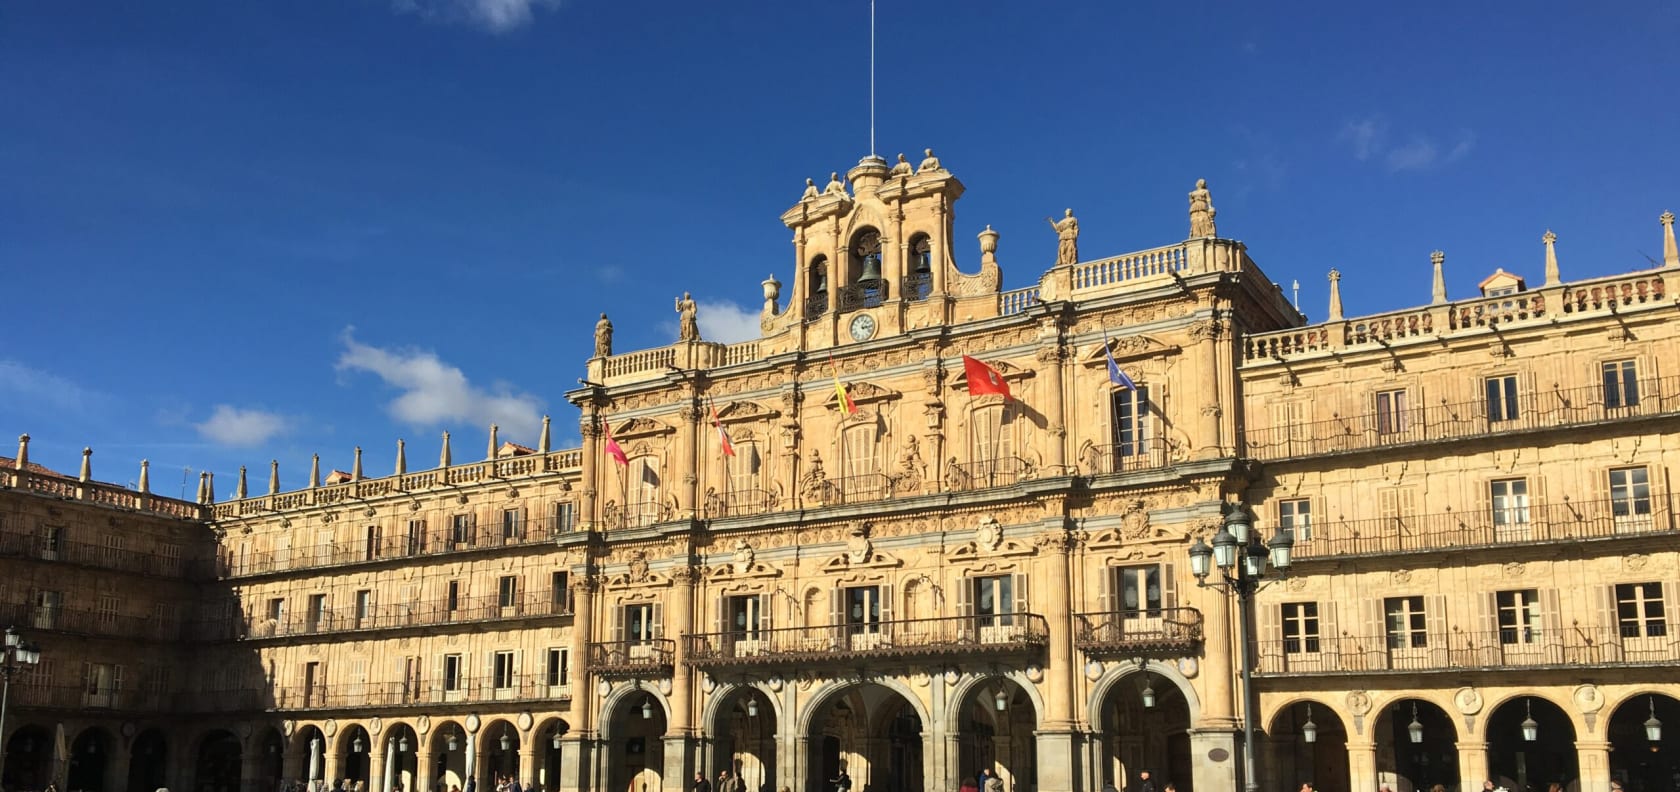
603	337
1202	211
1067	235
810	190
902	168
688	319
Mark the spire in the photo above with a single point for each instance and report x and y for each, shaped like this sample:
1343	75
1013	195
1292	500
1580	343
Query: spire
491	455
22	460
1438	289
402	458
1551	258
203	487
443	457
87	464
315	471
1335	295
542	442
1671	254
240	491
145	476
210	488
356	466
273	476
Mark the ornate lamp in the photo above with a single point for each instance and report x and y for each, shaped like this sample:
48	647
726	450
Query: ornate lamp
647	709
356	745
1530	728
1148	693
402	743
450	743
1653	727
1200	557
507	740
555	740
1415	729
1225	549
752	708
1001	700
1283	547
1309	730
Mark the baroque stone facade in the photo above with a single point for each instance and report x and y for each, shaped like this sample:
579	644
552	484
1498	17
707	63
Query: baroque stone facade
922	583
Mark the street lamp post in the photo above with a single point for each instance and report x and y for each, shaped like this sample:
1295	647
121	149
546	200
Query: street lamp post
1244	577
13	657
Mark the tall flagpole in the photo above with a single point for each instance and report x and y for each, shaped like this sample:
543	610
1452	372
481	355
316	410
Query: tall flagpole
871	78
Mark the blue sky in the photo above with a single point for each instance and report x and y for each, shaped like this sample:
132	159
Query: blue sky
234	230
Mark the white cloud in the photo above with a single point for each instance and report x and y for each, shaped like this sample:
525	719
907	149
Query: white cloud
23	385
1461	149
495	16
1365	135
435	392
725	322
1420	153
232	426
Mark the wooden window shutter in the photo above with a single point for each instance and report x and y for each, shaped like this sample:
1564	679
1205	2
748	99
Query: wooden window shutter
618	622
1551	622
1327	624
1107	590
658	620
886	603
1169	586
1598	508
1022	604
1270	650
965	596
1373	638
764	620
1488	618
837	606
720	622
1435	619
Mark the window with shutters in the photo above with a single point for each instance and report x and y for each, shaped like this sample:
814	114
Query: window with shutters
1621	384
324	546
1639	610
746	481
507	591
460	530
565	517
52	540
1406	627
155	683
454	670
102	682
638	623
642	494
559	592
452	596
317	613
1501	398
994	600
112	549
1300	627
861	462
1391	412
1289	424
1128	410
1139	589
558	671
370	543
1510	503
1295	516
1397	506
314	682
502	670
1519	616
364	607
863	608
415	541
513	525
991	443
743	615
276	611
1630	496
108	609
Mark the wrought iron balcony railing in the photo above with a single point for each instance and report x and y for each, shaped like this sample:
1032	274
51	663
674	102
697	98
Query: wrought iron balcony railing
1567	521
1576	646
1004	633
394	545
359	695
863	294
93	623
986	473
1122	458
740	503
36	547
401	615
1548	409
1114	633
617	658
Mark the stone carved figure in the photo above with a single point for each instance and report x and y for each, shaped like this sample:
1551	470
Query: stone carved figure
1202	211
688	319
835	187
815	485
810	193
1067	235
603	337
956	479
902	168
911	459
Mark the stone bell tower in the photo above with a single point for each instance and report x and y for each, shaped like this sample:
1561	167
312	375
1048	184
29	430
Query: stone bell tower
873	260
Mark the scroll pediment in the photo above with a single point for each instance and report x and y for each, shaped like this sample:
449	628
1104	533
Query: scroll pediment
1004	549
737	412
1131	347
875	560
640	427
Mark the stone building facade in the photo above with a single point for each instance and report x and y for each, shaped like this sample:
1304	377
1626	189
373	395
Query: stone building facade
907	583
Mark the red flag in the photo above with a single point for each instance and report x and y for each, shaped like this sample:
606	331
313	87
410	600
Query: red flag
723	434
983	379
613	449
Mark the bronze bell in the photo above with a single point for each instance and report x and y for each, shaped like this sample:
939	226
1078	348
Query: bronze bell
871	268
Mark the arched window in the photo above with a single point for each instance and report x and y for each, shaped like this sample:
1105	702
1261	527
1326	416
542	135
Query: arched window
816	303
642	491
919	282
992	446
865	288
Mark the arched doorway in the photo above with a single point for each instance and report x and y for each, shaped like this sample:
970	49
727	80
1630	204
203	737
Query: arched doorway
148	761
90	757
217	769
1308	742
995	729
498	751
1515	760
402	755
546	742
1417	746
307	756
28	758
871	733
635	750
353	746
744	730
272	768
1145	725
1643	764
448	770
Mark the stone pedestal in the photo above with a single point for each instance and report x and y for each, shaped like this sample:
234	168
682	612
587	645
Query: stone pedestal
678	770
1594	762
1362	764
1215	759
575	763
1059	765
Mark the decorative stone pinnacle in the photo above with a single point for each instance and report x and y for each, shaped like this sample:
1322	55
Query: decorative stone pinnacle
87	463
1549	238
1437	257
1438	285
1671	253
1552	276
1335	295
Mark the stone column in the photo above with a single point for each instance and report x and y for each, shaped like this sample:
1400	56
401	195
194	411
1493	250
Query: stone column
527	761
1472	764
587	517
583	618
116	773
1594	762
1056	741
1209	445
687	451
1050	358
377	766
574	765
1218	665
1362	764
423	761
329	763
681	725
250	770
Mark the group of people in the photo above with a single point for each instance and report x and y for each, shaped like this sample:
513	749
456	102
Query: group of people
727	781
1145	783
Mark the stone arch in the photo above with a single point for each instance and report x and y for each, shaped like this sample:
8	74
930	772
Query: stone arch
725	690
1271	715
834	688
610	705
217	757
959	692
1115	672
1550	757
1576	720
89	763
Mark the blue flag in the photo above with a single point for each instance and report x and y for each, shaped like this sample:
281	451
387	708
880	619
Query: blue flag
1115	375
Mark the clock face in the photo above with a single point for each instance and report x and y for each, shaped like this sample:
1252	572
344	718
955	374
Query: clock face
863	327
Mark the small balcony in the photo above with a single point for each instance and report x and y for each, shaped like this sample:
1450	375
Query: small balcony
857	488
365	695
910	638
1566	521
739	503
1097	460
631	658
986	473
426	613
1518	648
64	551
394	546
1131	632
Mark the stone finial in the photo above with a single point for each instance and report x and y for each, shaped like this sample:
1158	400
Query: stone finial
402	458
210	489
203	487
443	456
22	460
240	491
1335	295
1202	212
1438	287
145	476
491	453
1552	278
543	439
274	477
356	466
87	464
1671	254
772	293
314	471
988	245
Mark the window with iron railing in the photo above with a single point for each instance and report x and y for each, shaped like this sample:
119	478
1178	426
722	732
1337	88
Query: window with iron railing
1129	421
1295	516
1639	610
1630	494
1501	398
1621	383
1406	627
1510	502
1300	627
1391	412
1519	616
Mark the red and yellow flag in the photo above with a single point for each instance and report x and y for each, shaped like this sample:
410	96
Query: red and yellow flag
723	434
613	448
842	398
